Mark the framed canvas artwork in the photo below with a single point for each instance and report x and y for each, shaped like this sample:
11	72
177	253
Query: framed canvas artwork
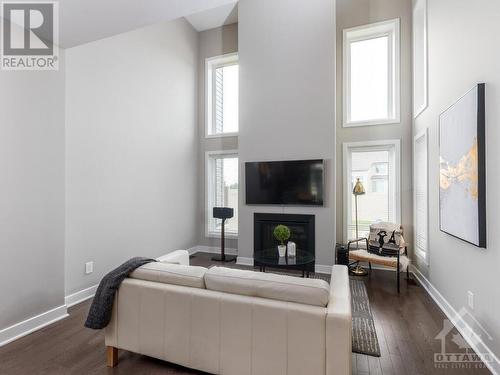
462	183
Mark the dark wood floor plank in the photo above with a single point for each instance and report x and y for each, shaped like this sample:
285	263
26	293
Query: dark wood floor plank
354	364
362	363
374	365
385	359
406	326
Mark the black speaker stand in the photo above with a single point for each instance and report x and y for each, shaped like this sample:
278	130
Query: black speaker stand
222	257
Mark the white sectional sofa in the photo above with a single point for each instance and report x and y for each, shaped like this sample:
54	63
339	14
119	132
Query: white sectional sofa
235	322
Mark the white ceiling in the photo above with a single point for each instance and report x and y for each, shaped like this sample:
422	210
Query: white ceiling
83	21
211	18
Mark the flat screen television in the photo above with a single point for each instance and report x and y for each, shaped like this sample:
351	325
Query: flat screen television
295	182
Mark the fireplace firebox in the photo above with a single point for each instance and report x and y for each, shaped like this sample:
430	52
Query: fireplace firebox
301	227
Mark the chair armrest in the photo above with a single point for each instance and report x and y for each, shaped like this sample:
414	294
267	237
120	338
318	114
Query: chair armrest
175	257
356	241
338	324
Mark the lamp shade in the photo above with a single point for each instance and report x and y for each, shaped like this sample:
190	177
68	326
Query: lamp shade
358	188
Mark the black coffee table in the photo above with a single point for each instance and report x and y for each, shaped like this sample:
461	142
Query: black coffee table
270	258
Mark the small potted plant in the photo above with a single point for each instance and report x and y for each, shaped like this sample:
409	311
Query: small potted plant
282	234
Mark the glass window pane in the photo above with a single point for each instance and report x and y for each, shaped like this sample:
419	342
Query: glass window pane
378	202
225	191
226	99
369	79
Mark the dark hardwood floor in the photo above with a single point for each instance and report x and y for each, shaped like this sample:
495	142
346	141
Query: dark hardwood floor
406	327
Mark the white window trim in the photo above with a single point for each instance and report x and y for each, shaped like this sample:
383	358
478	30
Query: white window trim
425	59
210	64
370	145
209	195
365	32
420	254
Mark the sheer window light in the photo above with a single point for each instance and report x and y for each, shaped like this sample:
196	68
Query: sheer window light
376	164
222	190
371	74
222	85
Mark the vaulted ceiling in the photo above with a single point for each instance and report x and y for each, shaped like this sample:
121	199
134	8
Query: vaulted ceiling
83	21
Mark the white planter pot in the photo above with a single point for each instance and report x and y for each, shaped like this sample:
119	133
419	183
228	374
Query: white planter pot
281	250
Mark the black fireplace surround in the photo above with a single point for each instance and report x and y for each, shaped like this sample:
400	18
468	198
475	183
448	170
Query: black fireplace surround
301	228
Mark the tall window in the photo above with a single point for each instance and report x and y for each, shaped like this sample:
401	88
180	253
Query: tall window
420	196
376	164
222	74
222	190
371	74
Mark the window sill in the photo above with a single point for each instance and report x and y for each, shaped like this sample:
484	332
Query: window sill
348	124
232	236
222	135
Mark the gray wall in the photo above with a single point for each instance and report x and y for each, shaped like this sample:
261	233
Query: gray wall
461	54
287	100
215	42
31	193
132	148
352	13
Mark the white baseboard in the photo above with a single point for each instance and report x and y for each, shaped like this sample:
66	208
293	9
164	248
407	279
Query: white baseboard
80	296
478	345
244	261
322	268
33	324
192	250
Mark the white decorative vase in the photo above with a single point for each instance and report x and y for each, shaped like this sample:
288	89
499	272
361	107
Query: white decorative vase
281	250
291	249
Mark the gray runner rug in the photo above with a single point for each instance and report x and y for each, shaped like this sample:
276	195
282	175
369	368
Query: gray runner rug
364	335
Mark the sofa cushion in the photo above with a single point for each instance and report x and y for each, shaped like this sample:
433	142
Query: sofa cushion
267	285
171	274
364	256
175	257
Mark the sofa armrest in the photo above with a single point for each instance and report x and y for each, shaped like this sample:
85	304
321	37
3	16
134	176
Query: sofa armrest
338	323
176	257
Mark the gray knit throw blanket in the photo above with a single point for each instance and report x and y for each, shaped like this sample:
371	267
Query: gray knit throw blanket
102	305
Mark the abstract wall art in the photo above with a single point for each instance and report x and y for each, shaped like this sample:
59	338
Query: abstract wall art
462	190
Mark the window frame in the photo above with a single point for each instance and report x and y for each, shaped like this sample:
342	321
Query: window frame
390	28
381	145
209	196
419	17
423	256
212	63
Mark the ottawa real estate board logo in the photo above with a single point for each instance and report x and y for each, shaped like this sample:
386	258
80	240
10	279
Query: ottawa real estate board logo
29	35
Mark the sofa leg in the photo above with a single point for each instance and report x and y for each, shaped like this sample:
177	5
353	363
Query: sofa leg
111	356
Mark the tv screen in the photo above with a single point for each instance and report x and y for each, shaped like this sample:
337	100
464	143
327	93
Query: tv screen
297	182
